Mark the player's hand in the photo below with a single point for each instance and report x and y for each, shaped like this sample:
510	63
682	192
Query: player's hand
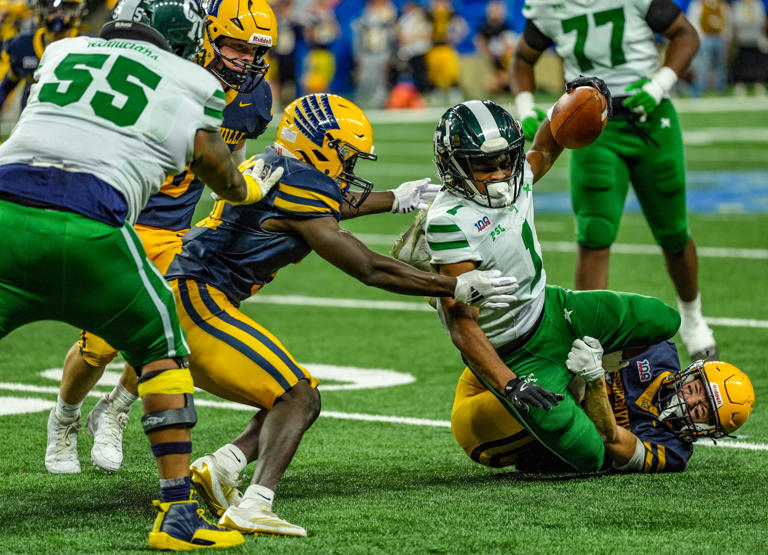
259	180
414	195
525	395
485	288
595	83
585	358
532	122
645	99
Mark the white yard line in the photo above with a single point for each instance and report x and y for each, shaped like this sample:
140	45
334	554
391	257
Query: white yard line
361	417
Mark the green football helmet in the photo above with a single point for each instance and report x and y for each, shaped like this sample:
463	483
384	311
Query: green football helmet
480	136
180	22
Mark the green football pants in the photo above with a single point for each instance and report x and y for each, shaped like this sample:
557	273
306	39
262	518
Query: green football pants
51	260
619	321
651	156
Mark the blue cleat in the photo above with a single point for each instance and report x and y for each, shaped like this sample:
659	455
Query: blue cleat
181	526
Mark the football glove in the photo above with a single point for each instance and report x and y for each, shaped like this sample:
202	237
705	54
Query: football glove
524	395
596	83
485	288
259	180
585	359
648	93
414	195
529	116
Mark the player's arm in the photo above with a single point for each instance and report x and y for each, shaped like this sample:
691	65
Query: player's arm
530	46
405	198
667	19
620	444
349	254
544	151
238	153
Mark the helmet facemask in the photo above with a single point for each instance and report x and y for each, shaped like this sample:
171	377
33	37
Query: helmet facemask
242	76
348	156
497	194
674	406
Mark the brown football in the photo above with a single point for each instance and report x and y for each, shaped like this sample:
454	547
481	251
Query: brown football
579	117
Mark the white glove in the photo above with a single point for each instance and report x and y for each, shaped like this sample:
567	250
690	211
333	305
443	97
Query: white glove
585	359
486	289
259	179
414	195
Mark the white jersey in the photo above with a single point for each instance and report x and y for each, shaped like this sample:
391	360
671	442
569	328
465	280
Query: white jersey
460	230
122	110
606	38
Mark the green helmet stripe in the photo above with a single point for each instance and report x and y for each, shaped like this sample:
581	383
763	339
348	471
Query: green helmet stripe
488	125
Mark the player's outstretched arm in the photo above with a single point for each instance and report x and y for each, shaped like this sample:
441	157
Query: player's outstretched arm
349	254
405	198
213	163
544	151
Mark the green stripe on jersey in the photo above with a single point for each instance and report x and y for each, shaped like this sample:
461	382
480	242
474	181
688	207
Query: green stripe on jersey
448	245
219	94
218	114
445	228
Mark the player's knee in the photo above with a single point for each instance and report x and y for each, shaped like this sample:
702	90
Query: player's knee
305	399
672	240
596	232
167	418
169	381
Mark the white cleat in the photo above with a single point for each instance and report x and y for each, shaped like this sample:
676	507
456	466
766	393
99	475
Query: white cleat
106	424
217	487
255	517
61	451
698	339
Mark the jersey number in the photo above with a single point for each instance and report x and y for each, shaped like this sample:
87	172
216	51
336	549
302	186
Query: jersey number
580	24
121	79
531	247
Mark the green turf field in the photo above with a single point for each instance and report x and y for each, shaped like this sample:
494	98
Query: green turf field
380	472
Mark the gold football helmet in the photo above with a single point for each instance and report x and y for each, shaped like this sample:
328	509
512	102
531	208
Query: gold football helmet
331	133
730	394
251	21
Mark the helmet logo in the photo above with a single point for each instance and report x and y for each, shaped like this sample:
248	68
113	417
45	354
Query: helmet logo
716	394
263	40
315	118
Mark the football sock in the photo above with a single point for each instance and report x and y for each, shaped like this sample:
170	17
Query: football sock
122	398
258	493
690	310
65	411
175	489
231	459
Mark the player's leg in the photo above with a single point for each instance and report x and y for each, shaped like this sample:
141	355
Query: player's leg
659	181
236	358
599	182
147	331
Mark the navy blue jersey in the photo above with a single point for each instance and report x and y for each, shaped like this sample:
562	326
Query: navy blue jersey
22	55
246	116
633	392
229	249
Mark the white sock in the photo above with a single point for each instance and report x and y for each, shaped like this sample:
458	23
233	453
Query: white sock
259	493
65	411
231	458
690	310
122	398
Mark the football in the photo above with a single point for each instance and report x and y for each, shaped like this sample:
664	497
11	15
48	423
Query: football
578	117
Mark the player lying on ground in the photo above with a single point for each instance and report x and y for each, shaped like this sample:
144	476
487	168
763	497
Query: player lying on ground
483	219
76	171
235	55
647	410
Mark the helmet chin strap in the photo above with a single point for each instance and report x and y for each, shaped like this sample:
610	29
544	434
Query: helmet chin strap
674	409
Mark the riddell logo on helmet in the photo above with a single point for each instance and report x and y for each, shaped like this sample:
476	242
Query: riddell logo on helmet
716	394
644	370
263	40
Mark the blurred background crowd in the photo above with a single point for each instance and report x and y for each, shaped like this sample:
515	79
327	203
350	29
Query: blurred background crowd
410	54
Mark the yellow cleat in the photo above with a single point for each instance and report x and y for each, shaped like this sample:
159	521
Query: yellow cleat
217	490
181	526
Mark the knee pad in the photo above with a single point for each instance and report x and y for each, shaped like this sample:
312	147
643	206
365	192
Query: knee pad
95	351
595	232
171	418
672	240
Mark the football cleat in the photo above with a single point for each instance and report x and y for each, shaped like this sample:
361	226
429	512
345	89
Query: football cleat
61	451
698	339
255	516
106	425
217	487
181	526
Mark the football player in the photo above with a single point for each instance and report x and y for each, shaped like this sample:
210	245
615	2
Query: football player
76	171
648	411
642	143
484	219
56	19
237	36
234	252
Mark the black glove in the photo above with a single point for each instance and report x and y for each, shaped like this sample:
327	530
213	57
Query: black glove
594	82
522	394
